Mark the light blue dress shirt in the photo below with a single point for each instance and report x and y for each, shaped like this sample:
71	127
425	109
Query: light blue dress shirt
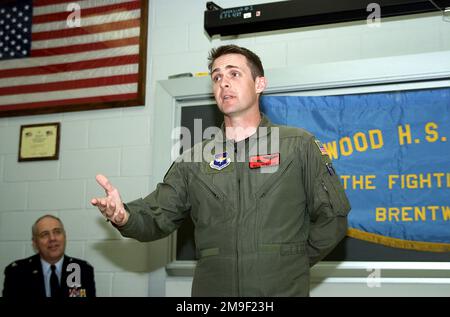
46	269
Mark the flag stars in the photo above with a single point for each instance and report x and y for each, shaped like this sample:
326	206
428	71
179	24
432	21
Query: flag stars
15	30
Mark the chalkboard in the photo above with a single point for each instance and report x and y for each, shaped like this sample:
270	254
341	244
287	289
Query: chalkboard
349	249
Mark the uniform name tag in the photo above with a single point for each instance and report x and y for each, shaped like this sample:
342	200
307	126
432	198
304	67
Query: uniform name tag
259	161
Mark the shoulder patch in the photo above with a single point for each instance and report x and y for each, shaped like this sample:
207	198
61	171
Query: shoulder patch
14	264
322	149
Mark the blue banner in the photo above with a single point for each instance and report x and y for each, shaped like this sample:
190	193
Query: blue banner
392	152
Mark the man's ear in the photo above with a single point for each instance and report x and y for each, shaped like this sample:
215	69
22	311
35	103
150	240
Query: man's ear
33	242
260	84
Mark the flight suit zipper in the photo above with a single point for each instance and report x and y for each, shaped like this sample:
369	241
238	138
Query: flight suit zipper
238	209
325	188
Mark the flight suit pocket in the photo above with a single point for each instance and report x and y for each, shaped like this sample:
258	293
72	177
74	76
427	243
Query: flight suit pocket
212	276
210	191
291	260
275	179
336	195
208	203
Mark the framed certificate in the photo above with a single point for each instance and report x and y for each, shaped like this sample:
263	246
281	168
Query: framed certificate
39	142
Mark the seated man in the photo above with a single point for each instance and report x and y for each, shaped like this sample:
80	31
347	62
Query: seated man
50	273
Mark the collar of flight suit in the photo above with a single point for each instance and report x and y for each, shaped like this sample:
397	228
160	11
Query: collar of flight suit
264	123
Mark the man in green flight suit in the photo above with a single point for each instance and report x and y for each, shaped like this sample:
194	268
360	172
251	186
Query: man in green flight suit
262	217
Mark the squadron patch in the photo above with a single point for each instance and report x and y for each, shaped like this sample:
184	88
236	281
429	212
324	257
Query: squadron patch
322	149
220	161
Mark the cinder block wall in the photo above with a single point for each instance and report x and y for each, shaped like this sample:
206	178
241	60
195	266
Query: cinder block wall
118	142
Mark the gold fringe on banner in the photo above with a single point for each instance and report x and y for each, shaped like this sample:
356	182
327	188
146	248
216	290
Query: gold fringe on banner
398	243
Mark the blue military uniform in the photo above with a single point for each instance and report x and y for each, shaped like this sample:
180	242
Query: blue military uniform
24	279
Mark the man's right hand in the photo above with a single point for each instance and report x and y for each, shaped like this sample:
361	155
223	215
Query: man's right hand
110	206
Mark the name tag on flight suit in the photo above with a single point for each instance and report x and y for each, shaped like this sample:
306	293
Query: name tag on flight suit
259	161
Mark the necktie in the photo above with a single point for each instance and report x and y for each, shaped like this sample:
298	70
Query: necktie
54	283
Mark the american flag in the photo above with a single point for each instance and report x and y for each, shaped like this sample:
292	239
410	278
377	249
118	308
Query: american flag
49	63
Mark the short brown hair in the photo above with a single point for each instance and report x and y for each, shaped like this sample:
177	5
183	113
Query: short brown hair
253	61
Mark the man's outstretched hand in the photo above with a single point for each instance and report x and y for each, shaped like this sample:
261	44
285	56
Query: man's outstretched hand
110	206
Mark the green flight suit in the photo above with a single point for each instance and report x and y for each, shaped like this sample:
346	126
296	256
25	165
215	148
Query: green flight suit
257	230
